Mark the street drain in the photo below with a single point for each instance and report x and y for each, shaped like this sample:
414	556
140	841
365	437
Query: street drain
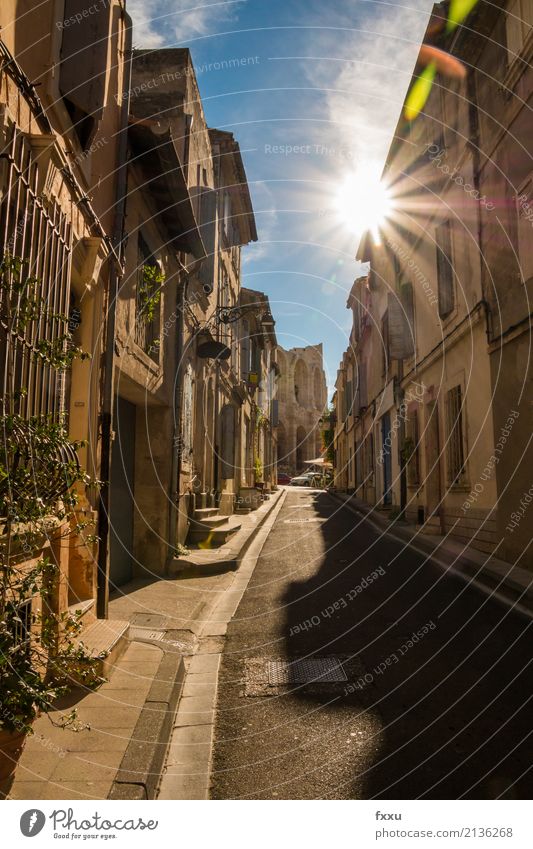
308	671
266	676
149	620
303	521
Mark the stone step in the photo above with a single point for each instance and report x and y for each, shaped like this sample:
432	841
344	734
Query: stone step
214	537
105	641
208	522
205	513
84	609
243	511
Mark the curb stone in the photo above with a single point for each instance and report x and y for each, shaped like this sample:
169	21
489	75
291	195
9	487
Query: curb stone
139	771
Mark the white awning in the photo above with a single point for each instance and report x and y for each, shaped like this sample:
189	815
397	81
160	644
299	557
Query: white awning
318	462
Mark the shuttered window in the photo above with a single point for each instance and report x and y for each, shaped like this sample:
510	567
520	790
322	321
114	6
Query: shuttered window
443	240
455	441
401	325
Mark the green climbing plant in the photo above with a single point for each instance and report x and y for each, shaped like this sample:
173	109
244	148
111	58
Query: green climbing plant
149	292
39	477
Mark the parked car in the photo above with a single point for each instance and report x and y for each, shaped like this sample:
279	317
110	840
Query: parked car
307	479
284	478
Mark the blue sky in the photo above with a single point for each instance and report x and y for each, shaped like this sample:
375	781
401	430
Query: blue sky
316	101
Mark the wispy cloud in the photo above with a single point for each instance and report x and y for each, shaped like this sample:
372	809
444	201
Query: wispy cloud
164	23
365	70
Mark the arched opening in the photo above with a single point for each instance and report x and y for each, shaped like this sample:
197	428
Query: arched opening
283	448
300	383
301	448
317	389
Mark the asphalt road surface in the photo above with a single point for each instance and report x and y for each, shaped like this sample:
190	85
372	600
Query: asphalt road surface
437	701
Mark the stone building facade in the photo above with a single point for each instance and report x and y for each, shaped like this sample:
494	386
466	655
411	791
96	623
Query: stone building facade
434	394
62	183
302	399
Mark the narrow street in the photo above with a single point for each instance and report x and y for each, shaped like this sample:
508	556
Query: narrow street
444	715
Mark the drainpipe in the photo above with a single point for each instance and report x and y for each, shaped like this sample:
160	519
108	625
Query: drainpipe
175	473
106	416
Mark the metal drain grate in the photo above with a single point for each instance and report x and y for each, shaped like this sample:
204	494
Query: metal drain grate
303	521
309	671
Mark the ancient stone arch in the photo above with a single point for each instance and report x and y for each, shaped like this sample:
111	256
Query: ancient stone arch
301	380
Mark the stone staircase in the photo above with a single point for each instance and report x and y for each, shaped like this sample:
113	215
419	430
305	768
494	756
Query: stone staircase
210	528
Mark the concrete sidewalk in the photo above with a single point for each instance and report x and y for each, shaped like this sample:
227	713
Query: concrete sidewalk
132	714
505	582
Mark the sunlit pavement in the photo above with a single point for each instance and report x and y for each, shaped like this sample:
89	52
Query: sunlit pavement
444	714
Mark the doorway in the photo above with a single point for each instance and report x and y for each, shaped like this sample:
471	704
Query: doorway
433	478
386	453
121	494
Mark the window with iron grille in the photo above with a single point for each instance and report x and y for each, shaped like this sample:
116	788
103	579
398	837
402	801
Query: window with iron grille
21	620
455	441
34	229
147	329
443	240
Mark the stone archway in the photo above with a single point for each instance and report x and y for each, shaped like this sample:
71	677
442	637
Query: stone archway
317	389
301	378
301	448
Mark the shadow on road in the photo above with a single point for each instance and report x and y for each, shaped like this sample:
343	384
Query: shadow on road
444	669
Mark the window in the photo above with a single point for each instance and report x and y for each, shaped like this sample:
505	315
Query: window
401	325
348	399
147	302
35	229
443	240
455	441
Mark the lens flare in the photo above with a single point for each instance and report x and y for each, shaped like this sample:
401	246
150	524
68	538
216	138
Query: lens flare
364	202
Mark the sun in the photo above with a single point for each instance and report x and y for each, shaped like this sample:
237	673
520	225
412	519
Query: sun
363	201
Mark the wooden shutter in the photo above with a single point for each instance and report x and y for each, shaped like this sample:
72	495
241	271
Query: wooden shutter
443	239
401	323
208	222
83	73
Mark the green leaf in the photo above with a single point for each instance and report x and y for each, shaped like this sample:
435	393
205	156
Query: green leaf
459	9
419	93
